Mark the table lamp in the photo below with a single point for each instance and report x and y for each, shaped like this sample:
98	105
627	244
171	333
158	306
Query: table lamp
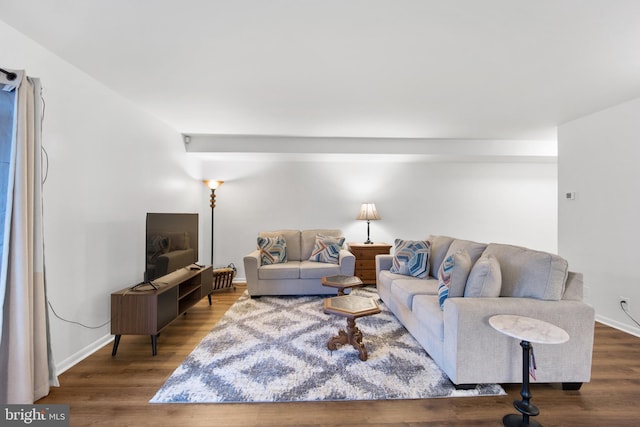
368	212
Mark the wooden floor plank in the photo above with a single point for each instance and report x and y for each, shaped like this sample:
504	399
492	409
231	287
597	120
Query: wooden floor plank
114	391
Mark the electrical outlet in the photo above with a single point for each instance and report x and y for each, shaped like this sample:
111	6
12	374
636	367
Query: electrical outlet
625	303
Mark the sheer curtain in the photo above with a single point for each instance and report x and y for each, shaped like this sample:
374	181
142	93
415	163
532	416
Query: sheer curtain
26	362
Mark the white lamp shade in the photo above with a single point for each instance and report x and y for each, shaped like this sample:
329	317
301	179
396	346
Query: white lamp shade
368	211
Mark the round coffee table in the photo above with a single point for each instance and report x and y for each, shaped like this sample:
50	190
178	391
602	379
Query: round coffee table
341	282
351	307
527	330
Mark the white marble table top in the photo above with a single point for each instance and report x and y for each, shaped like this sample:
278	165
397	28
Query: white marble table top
529	329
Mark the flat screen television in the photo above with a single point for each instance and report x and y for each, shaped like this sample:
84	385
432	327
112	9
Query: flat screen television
171	243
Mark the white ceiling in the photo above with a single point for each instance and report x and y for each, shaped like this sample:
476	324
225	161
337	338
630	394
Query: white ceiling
505	69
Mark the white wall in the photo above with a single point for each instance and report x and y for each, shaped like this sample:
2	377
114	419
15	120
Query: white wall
599	231
507	202
109	164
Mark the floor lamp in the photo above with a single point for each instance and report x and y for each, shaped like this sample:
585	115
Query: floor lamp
213	185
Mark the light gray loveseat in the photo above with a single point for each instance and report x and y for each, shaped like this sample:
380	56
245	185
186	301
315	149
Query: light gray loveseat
297	276
458	336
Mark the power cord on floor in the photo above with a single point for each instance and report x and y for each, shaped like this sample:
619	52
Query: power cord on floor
140	287
74	322
623	306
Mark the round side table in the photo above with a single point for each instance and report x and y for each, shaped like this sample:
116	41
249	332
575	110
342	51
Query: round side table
527	330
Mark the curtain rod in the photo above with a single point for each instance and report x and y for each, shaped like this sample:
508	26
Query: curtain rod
9	74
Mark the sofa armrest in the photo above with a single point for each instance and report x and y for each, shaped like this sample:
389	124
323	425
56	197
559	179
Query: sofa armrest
251	264
574	287
347	262
383	262
470	341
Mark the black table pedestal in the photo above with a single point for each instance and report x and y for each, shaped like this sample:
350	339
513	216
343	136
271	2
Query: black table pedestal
523	406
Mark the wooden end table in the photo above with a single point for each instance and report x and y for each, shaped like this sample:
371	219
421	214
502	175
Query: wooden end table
351	307
527	330
341	282
365	254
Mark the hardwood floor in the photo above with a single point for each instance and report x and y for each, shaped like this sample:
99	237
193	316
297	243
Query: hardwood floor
114	391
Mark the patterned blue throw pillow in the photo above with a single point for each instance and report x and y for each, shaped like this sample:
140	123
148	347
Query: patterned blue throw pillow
453	274
411	258
419	265
327	249
444	275
273	250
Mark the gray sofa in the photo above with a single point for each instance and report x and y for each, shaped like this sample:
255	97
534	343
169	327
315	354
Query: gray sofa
458	336
299	275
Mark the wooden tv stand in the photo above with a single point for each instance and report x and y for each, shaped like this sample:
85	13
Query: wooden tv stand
147	311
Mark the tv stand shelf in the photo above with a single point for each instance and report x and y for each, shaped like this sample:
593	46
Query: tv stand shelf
147	311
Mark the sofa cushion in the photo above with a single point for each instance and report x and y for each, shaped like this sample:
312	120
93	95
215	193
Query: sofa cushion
529	273
427	310
439	245
273	250
404	288
316	270
386	278
327	249
286	270
308	240
474	249
485	279
411	258
292	237
453	275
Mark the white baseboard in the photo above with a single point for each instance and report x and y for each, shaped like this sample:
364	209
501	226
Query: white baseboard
82	354
618	325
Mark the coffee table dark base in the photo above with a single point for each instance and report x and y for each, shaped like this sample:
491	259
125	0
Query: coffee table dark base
350	307
352	336
514	420
524	406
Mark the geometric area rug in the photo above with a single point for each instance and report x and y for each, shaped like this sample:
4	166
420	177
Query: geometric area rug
273	349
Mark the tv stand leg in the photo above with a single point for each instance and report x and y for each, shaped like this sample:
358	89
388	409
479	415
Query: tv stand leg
154	345
115	345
